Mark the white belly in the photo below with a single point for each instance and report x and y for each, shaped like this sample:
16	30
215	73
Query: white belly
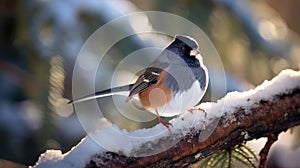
181	102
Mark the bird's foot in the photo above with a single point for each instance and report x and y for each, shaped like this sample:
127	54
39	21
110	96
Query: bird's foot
164	123
197	109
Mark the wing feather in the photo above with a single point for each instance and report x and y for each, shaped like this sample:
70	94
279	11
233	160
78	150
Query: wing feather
147	79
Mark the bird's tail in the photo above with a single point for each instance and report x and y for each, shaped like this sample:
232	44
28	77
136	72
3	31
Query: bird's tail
103	93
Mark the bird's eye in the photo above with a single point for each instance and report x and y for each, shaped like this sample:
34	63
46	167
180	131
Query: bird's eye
181	48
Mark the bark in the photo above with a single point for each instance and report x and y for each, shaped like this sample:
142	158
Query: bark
272	138
267	117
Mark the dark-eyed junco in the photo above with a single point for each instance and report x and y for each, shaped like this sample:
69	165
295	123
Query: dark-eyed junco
174	83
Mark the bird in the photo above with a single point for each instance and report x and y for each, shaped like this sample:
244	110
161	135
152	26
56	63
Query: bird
174	83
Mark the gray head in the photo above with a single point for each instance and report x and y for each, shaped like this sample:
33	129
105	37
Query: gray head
183	46
183	72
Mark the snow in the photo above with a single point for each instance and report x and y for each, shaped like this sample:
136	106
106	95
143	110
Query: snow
135	143
53	155
285	81
76	157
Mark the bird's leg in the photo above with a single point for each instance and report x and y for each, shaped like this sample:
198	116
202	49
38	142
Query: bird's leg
166	124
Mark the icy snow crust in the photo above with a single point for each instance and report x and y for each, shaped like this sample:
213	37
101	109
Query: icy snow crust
124	142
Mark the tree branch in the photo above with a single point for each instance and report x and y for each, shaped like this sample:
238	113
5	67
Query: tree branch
264	152
267	110
272	116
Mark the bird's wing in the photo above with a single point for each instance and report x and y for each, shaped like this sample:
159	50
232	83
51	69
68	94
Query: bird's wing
103	93
147	79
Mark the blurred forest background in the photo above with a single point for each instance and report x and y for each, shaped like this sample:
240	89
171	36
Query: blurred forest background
40	39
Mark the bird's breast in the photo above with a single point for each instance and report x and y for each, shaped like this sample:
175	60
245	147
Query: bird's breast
156	95
168	103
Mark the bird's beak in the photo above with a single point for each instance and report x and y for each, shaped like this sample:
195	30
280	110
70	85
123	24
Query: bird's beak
194	52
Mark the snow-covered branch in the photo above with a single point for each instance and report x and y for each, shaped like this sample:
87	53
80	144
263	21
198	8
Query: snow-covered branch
270	108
